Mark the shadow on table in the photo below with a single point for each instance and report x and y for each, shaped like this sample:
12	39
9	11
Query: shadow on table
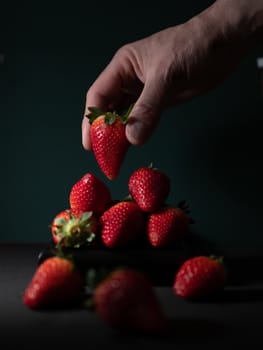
250	294
185	331
234	295
183	328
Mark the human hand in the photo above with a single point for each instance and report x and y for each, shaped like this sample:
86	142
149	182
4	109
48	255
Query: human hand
172	66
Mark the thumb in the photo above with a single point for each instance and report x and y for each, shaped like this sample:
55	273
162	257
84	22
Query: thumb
145	114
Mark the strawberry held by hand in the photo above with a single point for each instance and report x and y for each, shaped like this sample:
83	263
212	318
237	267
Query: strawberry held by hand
74	229
56	282
166	226
89	193
149	188
122	224
200	277
126	300
108	140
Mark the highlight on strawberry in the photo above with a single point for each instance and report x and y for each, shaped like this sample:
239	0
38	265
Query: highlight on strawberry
200	277
108	139
56	282
90	193
167	226
122	224
149	187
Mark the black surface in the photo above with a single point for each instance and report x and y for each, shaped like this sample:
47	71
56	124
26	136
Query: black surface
159	264
234	319
242	261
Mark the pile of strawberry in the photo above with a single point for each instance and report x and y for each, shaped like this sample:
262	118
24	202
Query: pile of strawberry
143	215
123	297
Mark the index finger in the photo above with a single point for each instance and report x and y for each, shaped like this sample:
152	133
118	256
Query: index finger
103	94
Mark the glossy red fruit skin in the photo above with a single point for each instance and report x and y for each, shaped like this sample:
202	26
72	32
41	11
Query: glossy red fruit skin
126	300
90	193
56	282
122	224
109	144
200	277
167	226
149	188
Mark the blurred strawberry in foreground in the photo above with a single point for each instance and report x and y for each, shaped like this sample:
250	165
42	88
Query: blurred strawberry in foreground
167	226
126	300
122	224
89	193
108	140
56	282
149	188
74	229
200	277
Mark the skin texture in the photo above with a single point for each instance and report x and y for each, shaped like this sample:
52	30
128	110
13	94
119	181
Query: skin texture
175	65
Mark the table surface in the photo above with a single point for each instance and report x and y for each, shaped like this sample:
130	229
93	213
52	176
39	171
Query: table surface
235	319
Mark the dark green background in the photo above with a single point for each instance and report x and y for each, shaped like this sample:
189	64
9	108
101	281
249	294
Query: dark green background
211	148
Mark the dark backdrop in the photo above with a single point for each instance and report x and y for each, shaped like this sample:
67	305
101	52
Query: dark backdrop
210	147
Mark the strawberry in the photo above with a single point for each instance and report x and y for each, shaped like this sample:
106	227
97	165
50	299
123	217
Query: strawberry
125	299
122	224
89	193
55	282
108	140
55	225
200	277
166	226
149	188
70	228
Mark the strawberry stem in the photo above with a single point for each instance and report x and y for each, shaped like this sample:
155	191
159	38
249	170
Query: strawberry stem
219	259
110	117
125	116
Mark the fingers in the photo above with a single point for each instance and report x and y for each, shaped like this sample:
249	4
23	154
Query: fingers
117	85
145	114
105	89
85	129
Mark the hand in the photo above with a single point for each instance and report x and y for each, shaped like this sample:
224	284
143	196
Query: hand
173	66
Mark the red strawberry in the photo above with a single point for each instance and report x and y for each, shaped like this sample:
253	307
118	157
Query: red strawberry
56	282
126	300
121	224
166	226
55	225
200	277
89	193
149	187
108	140
73	229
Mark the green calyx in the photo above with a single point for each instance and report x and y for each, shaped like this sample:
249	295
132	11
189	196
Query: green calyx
76	232
110	117
219	259
96	275
60	253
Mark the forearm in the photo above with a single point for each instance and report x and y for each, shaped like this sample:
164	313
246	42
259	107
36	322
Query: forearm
229	27
235	23
242	19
